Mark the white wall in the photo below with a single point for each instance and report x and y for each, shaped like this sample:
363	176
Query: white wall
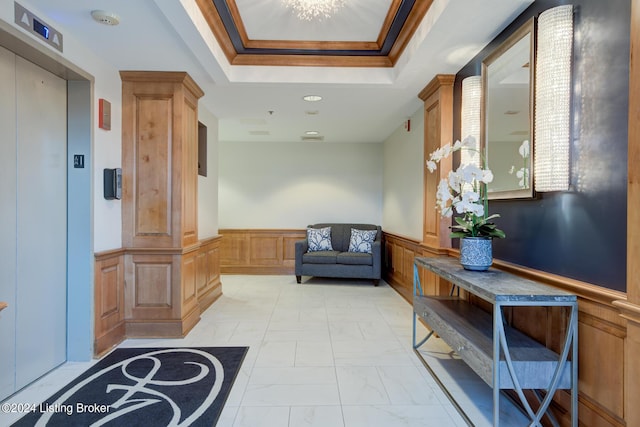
403	176
291	185
208	186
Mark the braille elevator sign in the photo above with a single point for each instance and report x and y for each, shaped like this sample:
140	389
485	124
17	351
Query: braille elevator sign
78	161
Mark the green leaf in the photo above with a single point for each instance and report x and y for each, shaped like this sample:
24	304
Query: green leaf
457	234
499	234
461	221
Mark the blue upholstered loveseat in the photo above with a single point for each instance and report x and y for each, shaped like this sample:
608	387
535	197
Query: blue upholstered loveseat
340	262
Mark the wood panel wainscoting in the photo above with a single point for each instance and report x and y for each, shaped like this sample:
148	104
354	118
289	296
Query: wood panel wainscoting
397	266
602	329
259	251
134	296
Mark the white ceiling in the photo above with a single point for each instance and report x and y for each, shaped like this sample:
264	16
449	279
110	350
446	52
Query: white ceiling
359	105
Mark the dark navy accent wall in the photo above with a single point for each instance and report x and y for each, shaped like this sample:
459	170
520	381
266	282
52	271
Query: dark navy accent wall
582	233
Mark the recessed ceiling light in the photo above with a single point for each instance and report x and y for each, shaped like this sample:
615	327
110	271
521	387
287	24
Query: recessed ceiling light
106	18
312	98
312	132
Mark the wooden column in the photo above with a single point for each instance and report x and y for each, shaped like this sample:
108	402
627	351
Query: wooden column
630	309
438	131
159	201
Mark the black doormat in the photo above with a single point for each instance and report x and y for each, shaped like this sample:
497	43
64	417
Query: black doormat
145	387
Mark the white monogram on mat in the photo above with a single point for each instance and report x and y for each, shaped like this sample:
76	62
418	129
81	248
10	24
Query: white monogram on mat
138	391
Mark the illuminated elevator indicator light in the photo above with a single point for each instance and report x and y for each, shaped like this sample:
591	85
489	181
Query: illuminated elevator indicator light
41	29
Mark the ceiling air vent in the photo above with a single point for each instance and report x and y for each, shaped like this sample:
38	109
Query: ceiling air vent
312	138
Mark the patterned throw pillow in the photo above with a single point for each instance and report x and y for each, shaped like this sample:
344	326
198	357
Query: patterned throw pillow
319	239
361	240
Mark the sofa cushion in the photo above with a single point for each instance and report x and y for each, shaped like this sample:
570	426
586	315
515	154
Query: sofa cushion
341	233
319	239
361	240
320	257
354	258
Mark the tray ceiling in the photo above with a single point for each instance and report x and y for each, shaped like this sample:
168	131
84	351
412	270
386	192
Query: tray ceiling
252	32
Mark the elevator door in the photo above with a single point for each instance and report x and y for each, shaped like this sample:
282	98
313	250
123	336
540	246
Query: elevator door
33	276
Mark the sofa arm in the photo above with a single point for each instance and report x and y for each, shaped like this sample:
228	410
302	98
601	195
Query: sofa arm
376	253
301	248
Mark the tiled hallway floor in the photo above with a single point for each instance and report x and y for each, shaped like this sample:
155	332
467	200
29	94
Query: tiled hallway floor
325	353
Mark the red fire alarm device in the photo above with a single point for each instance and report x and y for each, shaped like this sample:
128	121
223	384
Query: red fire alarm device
104	114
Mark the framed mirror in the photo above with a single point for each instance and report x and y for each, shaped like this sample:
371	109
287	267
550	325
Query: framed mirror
506	136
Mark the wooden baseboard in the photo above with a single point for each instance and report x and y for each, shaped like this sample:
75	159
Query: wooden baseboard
169	328
109	340
258	270
210	296
154	329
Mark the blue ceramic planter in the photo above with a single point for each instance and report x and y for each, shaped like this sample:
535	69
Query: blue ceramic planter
475	253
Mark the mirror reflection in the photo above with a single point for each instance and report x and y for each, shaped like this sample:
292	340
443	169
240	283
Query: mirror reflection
508	115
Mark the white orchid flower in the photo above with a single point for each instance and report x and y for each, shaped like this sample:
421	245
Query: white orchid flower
470	197
455	180
524	149
463	191
469	142
487	176
443	192
471	172
477	209
523	175
446	151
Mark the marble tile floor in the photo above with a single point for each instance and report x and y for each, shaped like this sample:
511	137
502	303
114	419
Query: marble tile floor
325	353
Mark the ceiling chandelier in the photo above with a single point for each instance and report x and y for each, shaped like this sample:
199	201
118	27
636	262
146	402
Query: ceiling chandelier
308	10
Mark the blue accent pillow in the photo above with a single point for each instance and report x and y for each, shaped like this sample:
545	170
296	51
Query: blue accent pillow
319	239
361	240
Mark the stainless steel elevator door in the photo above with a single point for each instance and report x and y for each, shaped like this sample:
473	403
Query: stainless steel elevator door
35	206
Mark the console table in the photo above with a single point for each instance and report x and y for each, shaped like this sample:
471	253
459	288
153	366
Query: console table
501	355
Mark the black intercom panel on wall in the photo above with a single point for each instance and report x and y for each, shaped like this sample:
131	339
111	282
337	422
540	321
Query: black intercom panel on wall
113	184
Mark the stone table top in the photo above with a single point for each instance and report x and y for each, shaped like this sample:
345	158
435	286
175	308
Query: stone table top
495	285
